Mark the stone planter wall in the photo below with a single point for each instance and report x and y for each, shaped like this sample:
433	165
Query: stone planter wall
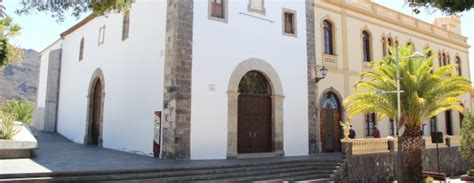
20	146
379	167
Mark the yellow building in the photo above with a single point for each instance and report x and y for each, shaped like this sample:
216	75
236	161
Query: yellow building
351	33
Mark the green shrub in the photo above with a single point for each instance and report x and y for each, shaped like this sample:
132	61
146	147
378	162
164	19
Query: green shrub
21	110
7	126
470	172
429	179
467	142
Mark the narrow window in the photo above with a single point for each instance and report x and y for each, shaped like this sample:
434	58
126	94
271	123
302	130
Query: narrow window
218	8
449	125
410	44
384	47
392	129
440	60
458	63
444	59
366	46
428	55
101	35
256	6
126	25
81	50
369	124
328	37
461	117
390	44
289	27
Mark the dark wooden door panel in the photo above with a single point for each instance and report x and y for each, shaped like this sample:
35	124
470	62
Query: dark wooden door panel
323	129
254	124
96	112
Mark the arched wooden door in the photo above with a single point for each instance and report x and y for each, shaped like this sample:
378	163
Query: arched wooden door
330	116
254	128
96	113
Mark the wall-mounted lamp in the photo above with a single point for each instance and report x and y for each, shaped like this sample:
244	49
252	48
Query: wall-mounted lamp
324	72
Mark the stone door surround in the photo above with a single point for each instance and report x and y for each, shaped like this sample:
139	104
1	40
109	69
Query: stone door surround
97	75
255	64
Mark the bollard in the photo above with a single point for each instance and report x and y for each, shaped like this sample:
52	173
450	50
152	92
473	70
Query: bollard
448	141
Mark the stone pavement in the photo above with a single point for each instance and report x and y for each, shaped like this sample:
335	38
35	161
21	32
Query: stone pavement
57	154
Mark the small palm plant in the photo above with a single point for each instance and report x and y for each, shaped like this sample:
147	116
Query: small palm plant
7	126
427	91
21	110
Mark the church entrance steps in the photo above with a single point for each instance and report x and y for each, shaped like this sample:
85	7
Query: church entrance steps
273	170
60	160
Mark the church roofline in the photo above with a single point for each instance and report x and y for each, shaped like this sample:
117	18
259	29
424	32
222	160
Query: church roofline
78	25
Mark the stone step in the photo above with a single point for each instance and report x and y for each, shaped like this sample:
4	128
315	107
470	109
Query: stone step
203	174
280	164
285	170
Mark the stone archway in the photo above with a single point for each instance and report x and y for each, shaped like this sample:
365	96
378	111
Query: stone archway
276	97
95	108
331	113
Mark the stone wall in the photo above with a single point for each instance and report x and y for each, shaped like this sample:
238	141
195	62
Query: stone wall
379	167
177	81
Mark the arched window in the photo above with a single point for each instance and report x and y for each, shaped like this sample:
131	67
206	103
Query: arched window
384	46
366	46
445	61
328	37
458	63
428	55
390	44
81	50
410	44
440	59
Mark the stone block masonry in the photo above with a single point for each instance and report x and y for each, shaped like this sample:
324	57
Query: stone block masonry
313	121
177	80
379	167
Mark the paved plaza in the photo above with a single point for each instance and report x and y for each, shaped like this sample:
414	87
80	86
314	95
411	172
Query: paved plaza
59	155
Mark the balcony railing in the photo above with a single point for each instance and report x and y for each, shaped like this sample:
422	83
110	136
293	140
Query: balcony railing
378	145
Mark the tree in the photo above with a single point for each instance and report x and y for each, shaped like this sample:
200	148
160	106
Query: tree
427	91
59	8
8	52
446	6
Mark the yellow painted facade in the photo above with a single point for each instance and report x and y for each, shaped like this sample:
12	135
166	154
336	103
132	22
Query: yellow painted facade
350	17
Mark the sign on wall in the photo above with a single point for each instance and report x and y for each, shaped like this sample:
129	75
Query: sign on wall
157	135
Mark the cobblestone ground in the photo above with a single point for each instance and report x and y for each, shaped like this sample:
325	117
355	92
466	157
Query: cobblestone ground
57	154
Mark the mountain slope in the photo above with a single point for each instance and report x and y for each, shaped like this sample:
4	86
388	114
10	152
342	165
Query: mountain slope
20	80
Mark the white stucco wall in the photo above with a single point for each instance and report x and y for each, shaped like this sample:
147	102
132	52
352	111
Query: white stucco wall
38	115
219	47
133	76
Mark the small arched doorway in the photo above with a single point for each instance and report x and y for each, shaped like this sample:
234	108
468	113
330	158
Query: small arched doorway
254	126
330	116
96	113
96	108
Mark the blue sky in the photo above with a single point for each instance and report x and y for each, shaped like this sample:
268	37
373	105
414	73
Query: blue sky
40	30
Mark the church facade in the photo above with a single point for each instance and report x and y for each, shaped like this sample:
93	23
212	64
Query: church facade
215	79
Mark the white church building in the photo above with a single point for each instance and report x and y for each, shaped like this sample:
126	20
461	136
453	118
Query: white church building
193	65
194	79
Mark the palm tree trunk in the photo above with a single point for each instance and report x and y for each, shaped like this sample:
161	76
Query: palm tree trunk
412	144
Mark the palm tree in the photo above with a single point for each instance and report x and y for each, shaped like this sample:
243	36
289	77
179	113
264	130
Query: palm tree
427	91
